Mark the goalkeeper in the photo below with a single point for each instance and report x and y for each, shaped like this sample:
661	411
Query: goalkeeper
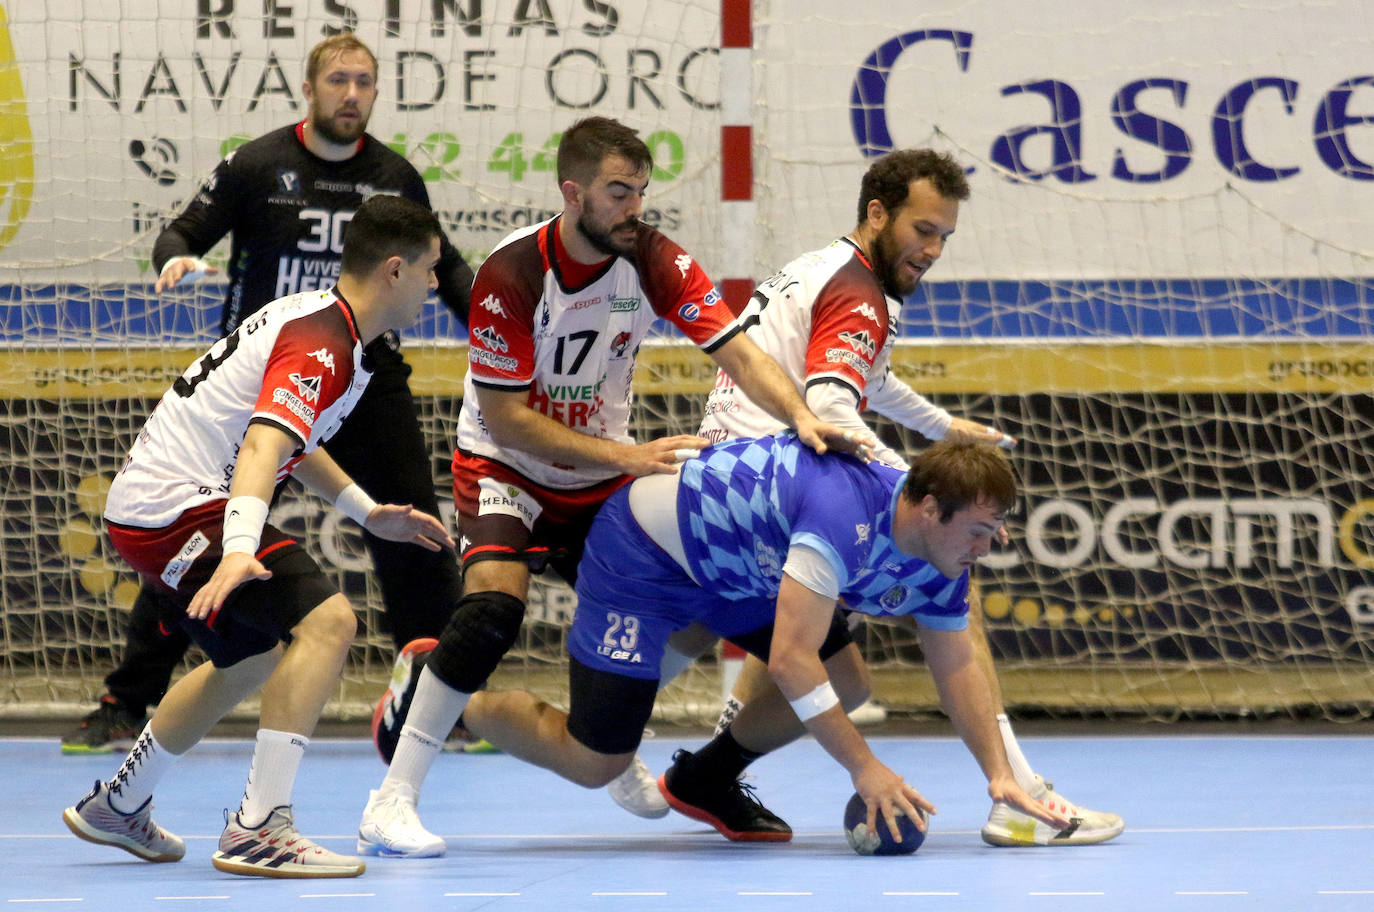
830	317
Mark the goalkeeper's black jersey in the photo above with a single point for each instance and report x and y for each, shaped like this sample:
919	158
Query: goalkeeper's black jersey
287	209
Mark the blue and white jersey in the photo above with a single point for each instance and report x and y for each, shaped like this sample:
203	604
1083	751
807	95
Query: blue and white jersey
743	503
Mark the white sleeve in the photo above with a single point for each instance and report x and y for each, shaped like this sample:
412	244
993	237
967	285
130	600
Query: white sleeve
890	396
810	568
835	402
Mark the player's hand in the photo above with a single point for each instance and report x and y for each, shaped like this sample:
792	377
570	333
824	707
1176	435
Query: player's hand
404	523
235	569
1007	791
179	268
885	793
822	435
961	429
661	456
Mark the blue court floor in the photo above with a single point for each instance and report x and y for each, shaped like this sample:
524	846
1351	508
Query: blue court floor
1213	823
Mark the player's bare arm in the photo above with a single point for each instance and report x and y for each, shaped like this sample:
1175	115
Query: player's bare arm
967	700
264	451
181	268
802	620
394	522
763	380
514	424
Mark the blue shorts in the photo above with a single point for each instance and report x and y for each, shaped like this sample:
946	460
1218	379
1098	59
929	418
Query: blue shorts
631	595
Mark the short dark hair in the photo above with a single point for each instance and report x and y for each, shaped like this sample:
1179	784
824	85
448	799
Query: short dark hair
959	474
332	47
386	226
590	140
889	179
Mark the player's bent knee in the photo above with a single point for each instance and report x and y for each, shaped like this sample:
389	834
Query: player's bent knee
593	770
482	630
332	620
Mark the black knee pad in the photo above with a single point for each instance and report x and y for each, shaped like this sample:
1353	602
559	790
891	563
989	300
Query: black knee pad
482	630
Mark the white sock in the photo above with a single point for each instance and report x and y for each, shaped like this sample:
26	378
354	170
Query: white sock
433	713
276	758
140	772
1020	766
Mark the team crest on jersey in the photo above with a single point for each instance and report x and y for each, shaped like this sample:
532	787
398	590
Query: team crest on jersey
683	263
690	312
894	598
289	181
309	387
769	564
866	310
492	304
861	530
491	339
324	356
860	341
619	344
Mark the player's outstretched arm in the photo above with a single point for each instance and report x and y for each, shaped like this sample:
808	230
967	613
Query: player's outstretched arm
967	700
183	268
515	425
394	522
800	625
762	379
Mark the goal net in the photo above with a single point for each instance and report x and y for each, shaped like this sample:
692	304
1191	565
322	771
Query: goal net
1160	286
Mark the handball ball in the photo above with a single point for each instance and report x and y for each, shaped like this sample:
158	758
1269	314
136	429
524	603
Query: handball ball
880	842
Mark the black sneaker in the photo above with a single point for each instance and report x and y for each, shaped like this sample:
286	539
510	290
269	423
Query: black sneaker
732	809
108	727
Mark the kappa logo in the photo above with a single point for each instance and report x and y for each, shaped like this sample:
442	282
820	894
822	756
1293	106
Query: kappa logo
490	339
309	387
861	530
860	341
325	357
683	263
866	310
492	304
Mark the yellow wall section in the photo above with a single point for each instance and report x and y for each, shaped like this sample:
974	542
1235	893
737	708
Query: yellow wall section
1005	369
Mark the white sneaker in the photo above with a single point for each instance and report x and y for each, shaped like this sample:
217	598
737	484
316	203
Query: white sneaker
636	790
869	712
391	827
274	848
1007	826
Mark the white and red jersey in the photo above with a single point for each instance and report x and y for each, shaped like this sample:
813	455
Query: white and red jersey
573	347
825	318
296	364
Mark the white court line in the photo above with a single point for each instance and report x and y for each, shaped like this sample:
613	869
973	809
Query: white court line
50	899
1345	892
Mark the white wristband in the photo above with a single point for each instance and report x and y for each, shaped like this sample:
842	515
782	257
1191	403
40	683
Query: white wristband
244	517
354	503
815	703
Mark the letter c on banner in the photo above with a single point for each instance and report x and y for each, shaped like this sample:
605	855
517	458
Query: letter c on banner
868	95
